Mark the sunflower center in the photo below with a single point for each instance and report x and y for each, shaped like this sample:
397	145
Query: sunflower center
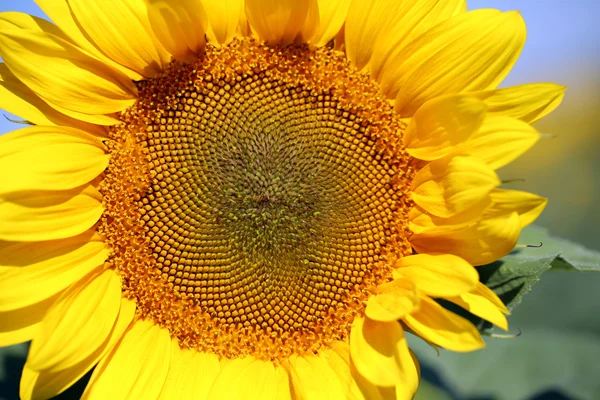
255	197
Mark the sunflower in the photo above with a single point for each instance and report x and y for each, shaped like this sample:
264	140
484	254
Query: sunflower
255	199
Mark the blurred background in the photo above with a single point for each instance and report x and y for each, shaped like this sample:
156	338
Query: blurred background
558	354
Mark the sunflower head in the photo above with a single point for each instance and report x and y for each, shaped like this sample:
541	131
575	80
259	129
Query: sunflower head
250	199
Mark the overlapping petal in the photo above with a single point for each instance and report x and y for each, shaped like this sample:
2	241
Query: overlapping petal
311	23
18	99
224	18
49	158
420	220
33	272
78	323
444	328
484	303
393	300
47	384
131	44
469	52
500	140
313	377
528	205
332	15
442	124
61	14
277	21
34	216
179	26
380	353
452	185
355	385
409	20
136	368
479	243
249	378
438	275
191	374
529	102
20	325
71	80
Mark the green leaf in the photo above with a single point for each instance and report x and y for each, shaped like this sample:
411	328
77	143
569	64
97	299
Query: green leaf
517	369
568	255
555	355
513	276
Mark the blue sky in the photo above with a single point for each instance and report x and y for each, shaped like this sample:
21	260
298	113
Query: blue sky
563	40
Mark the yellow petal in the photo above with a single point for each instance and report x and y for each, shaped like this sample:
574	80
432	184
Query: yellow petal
47	384
18	99
246	378
436	324
224	17
500	140
102	120
61	14
332	15
376	29
314	378
77	324
338	40
451	185
380	353
177	385
179	26
14	21
49	158
122	31
410	20
393	301
420	219
38	271
191	374
206	368
442	124
136	368
277	21
282	384
438	275
26	254
366	20
21	325
311	23
482	243
389	393
407	392
469	52
487	293
528	205
529	102
70	79
356	386
36	216
478	303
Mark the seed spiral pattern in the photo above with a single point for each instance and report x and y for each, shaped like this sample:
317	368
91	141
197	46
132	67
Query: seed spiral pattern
272	198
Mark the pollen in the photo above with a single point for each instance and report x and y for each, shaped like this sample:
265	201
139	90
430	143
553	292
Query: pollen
255	198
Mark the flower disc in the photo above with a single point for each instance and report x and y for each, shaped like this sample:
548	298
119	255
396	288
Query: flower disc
268	199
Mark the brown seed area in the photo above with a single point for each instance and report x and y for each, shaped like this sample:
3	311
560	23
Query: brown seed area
255	197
